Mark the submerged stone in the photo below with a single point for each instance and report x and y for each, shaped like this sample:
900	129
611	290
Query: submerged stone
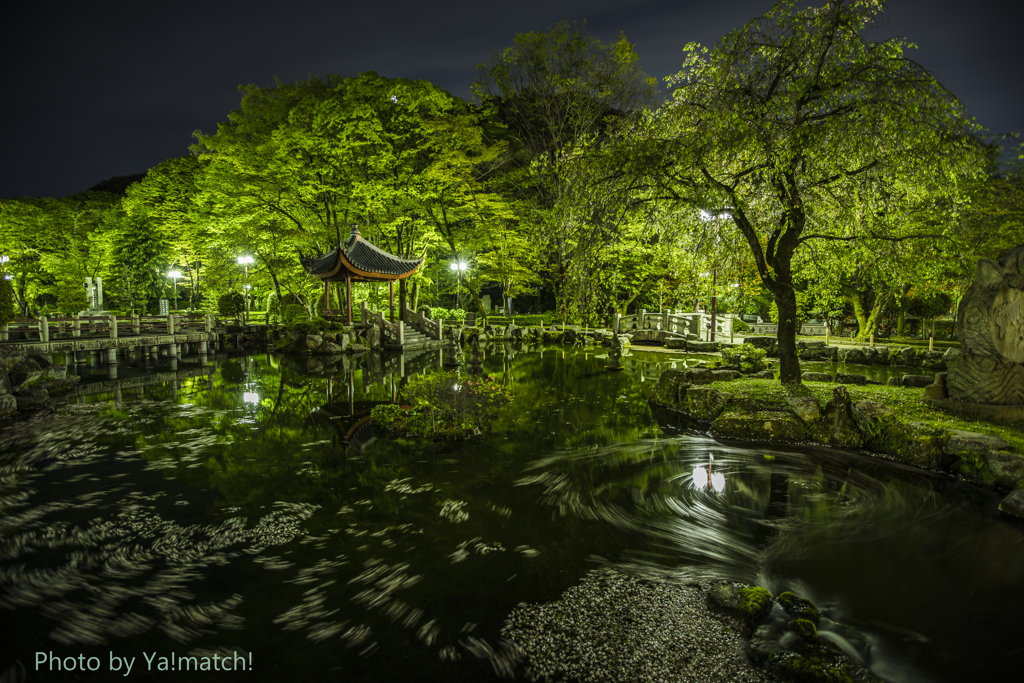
798	607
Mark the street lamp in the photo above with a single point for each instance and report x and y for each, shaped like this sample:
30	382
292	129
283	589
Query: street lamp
175	274
458	268
244	261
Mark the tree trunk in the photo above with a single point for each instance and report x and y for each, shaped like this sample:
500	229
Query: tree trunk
789	364
415	296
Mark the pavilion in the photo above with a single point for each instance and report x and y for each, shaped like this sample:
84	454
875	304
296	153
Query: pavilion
360	261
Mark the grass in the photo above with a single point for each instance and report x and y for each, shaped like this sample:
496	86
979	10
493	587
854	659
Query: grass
906	402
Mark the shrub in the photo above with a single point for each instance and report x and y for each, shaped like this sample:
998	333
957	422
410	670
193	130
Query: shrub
740	325
275	305
744	357
230	304
295	314
6	301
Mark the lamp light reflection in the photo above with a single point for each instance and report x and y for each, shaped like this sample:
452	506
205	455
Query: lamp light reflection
704	478
250	397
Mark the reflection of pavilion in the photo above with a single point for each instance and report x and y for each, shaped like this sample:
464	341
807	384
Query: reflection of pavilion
358	260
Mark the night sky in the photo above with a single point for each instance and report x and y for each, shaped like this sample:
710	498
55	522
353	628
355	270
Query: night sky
96	90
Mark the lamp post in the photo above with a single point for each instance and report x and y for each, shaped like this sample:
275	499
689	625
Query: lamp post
458	268
175	274
244	261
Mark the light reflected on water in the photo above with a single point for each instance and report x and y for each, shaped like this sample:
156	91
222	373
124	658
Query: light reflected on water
183	518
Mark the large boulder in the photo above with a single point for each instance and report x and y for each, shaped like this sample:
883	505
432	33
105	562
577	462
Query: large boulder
851	355
905	356
667	389
703	346
1013	504
884	433
704	403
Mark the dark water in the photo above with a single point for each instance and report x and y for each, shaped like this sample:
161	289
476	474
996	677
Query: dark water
244	509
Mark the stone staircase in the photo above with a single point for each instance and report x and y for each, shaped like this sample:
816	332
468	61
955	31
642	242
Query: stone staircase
414	337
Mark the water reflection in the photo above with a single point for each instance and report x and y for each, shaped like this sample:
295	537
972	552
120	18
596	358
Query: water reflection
244	503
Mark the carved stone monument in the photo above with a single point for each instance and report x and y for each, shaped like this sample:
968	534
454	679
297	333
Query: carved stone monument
990	325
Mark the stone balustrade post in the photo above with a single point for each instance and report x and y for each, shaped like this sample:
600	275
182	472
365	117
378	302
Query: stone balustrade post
113	327
76	326
5	333
664	320
170	323
618	323
44	329
440	330
136	324
401	333
640	319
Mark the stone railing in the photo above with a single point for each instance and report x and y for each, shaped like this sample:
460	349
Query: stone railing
46	328
423	324
391	332
769	329
678	322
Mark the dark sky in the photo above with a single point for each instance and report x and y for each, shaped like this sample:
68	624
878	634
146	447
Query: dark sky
101	89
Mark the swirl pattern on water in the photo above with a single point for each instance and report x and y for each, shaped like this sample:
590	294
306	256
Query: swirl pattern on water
703	510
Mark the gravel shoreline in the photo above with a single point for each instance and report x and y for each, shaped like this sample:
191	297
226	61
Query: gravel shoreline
614	627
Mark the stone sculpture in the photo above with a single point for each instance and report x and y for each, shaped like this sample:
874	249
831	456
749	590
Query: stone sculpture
990	326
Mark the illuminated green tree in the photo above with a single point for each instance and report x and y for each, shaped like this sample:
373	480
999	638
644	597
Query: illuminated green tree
807	133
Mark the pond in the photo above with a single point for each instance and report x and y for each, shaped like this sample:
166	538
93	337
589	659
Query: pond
249	508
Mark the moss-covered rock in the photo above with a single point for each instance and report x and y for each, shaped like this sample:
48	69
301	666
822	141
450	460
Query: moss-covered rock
837	426
755	602
667	389
704	403
798	607
748	603
805	628
759	426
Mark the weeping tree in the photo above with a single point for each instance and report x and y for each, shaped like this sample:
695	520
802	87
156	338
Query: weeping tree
803	131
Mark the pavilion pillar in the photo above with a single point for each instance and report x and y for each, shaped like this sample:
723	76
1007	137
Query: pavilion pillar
391	296
327	297
402	315
348	296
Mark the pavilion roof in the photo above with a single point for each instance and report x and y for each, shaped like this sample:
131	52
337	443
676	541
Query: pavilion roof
358	259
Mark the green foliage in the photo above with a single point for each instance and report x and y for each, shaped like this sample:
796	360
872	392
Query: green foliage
739	325
304	325
231	304
444	406
884	139
458	315
295	314
7	310
139	255
275	306
745	358
71	298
